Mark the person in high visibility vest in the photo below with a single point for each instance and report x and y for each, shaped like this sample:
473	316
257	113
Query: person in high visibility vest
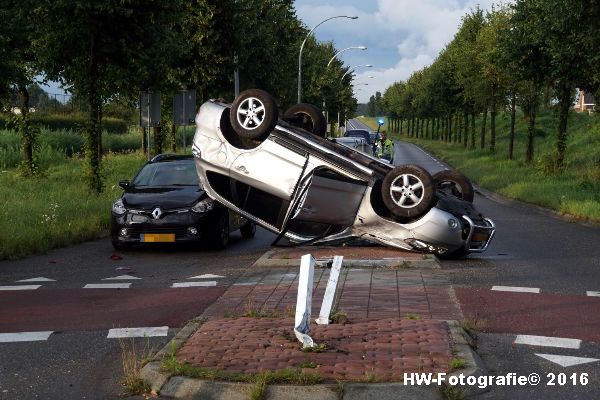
386	147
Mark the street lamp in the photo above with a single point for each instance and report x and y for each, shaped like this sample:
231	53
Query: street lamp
343	50
302	47
352	69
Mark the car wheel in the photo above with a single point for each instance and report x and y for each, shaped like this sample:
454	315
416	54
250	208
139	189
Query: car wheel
221	233
253	114
454	183
249	230
307	117
408	191
120	245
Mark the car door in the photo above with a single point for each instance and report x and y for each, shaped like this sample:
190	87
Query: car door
271	167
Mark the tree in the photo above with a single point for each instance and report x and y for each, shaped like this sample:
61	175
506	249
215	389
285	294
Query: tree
18	68
103	47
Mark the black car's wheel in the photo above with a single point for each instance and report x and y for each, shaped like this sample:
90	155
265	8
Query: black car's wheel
307	117
120	245
253	114
454	183
408	191
249	230
221	233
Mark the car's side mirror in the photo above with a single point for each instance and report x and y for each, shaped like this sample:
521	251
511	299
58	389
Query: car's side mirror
124	184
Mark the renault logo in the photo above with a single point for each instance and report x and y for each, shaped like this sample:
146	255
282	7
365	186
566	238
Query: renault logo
156	213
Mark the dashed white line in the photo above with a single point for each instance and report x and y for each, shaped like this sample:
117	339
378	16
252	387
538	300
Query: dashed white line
138	332
206	276
548	341
592	293
194	284
121	278
107	286
516	289
25	336
567	361
21	287
38	279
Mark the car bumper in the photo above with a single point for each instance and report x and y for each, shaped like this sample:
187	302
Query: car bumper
178	228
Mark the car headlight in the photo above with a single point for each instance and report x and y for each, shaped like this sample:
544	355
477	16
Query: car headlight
204	206
118	207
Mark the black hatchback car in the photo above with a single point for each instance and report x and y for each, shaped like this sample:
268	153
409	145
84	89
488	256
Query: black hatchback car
165	203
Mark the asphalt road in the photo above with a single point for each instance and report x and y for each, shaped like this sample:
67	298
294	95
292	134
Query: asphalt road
536	252
78	360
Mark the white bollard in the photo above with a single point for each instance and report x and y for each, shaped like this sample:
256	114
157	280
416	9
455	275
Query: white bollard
303	304
332	283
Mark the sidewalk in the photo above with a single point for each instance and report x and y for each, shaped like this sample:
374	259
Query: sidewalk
392	321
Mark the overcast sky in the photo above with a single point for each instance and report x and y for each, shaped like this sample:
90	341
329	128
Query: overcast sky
402	36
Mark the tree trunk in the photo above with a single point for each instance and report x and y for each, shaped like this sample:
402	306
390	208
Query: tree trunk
412	131
466	132
173	137
531	133
483	122
473	131
513	113
157	136
427	129
450	122
459	128
94	131
564	107
493	113
144	140
27	134
401	122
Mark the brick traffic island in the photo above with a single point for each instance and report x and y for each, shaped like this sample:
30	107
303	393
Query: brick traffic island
393	321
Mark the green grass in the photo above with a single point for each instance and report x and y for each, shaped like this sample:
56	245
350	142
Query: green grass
57	210
575	191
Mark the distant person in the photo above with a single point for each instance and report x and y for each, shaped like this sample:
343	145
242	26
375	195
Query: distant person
386	148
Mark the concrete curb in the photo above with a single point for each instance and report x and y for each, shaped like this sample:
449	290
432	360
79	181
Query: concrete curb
473	363
428	261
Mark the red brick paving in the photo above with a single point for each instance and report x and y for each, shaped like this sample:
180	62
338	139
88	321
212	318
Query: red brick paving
381	349
349	253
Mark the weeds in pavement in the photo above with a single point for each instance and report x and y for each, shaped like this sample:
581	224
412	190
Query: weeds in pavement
456	363
290	311
412	316
339	317
319	348
308	364
452	393
371	377
253	312
132	361
340	391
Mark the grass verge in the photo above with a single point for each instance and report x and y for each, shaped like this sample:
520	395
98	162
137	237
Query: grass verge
40	214
575	191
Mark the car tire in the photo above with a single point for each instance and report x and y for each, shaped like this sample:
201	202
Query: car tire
408	191
253	114
120	245
307	117
454	183
221	232
249	230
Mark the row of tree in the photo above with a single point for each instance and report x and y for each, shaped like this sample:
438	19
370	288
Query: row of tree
108	50
530	53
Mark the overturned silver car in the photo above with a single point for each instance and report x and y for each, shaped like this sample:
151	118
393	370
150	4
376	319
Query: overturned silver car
287	177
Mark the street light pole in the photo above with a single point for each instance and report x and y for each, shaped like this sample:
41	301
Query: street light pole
302	48
343	50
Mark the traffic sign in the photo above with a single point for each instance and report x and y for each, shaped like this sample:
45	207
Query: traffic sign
149	109
184	107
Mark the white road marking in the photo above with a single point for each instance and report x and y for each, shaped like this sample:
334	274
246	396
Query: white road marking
22	287
516	289
592	293
548	341
138	332
567	361
25	336
38	279
206	276
121	278
107	286
194	284
245	283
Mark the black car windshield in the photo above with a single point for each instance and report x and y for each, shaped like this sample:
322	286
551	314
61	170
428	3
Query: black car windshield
170	173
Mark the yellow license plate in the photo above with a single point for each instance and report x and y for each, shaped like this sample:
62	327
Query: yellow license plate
157	237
